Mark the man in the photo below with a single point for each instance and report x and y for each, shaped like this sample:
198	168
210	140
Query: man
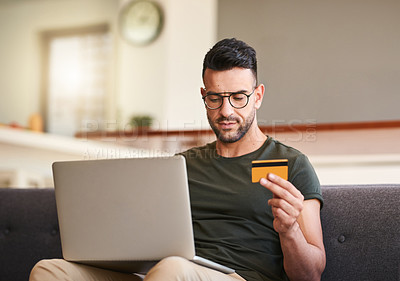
268	230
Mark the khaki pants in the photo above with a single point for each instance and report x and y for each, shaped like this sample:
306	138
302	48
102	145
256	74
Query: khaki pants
169	269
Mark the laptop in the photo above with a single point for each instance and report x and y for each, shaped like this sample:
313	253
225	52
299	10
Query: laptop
125	214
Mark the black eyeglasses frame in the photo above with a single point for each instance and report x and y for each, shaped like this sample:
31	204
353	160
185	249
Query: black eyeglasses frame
227	95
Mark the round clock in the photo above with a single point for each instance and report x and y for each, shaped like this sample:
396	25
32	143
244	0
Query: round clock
140	22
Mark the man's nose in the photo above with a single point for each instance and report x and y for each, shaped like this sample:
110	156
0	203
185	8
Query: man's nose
226	107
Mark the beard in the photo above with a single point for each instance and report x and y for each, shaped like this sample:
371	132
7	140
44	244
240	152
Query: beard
229	136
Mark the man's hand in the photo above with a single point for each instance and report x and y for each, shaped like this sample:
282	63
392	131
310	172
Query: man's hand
286	204
299	227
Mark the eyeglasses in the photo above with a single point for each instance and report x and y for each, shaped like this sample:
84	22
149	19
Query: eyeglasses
237	100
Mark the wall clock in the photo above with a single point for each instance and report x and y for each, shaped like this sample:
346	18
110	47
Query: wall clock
140	22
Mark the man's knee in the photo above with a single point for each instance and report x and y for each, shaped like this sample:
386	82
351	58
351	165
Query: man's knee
176	264
172	268
48	270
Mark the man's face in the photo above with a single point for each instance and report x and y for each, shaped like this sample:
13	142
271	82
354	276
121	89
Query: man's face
228	123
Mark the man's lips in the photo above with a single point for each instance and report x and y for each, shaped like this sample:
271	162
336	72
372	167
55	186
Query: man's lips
226	125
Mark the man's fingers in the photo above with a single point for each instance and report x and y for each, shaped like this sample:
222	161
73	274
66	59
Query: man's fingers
277	203
282	221
290	194
286	203
284	184
281	188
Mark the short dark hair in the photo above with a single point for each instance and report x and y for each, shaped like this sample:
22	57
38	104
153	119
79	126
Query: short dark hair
229	53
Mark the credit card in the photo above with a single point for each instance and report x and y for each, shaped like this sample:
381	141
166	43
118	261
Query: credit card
260	169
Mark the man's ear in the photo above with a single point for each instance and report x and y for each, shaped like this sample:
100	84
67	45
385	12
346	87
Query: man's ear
202	91
259	95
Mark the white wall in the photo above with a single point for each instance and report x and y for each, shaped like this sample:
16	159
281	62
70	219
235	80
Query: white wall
328	61
21	25
161	79
164	78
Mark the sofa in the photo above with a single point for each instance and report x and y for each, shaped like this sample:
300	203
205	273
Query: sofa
360	223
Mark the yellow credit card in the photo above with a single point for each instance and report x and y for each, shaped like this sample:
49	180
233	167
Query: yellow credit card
261	168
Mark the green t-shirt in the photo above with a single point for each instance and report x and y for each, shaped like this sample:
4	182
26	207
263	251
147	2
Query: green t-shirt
232	220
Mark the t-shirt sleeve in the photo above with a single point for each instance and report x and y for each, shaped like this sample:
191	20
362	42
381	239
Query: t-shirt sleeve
302	175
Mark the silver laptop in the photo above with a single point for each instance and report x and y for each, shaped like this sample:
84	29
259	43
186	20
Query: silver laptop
125	214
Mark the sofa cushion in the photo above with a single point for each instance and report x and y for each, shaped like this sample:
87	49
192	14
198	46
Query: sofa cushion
28	230
361	232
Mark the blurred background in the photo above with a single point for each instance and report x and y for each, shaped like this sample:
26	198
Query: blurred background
72	87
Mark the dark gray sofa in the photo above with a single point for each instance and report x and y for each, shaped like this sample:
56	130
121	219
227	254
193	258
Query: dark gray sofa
361	227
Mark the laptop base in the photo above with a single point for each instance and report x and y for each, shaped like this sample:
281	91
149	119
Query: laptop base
140	267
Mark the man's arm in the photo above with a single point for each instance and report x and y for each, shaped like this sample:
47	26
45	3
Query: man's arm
299	226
